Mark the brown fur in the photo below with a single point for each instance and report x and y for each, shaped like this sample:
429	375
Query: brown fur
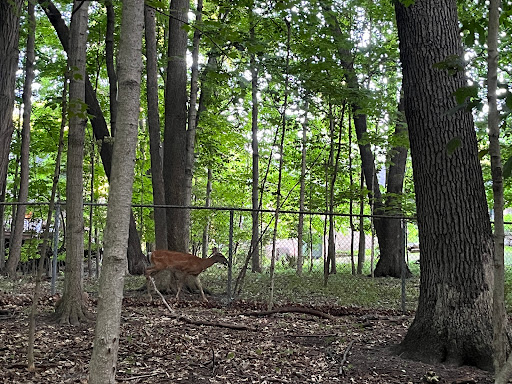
183	263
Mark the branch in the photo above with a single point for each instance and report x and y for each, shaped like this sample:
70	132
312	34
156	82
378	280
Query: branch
308	311
174	315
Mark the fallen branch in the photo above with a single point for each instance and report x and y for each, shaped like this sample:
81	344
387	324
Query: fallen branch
345	355
143	376
307	311
174	315
315	335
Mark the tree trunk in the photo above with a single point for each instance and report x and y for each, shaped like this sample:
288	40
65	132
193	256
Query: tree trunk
17	236
71	308
109	59
206	229
157	179
499	313
280	169
192	111
390	257
175	134
453	322
388	227
9	41
255	237
2	229
136	259
302	193
102	368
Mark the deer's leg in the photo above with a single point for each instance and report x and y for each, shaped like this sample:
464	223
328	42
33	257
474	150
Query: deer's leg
148	287
201	288
180	279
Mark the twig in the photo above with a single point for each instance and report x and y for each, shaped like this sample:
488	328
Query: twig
308	311
143	376
345	355
238	327
308	335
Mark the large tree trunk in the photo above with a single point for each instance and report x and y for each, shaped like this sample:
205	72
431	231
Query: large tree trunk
175	134
136	259
71	308
102	368
453	322
17	236
157	179
389	228
9	40
192	109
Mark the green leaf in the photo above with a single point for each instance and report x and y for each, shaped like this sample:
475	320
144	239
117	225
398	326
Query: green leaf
507	168
482	153
464	93
452	145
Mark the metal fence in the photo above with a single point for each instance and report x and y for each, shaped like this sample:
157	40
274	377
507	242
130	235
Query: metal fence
230	230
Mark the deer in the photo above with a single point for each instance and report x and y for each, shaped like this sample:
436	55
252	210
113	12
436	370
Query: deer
184	264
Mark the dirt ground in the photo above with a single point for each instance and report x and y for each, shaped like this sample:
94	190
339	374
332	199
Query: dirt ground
350	345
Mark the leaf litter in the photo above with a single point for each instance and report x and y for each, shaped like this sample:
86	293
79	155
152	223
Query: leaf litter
350	345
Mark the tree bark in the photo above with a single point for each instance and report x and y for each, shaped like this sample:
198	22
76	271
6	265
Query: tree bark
499	312
9	41
192	111
157	179
389	227
453	322
136	259
71	308
175	134
17	236
109	60
102	368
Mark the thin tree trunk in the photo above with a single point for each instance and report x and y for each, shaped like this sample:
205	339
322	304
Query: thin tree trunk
361	254
255	245
206	230
157	179
91	210
111	72
281	162
102	368
499	312
71	308
17	236
136	259
302	193
9	42
46	234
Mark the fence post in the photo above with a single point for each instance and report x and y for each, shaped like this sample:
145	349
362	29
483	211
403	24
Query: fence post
230	256
55	246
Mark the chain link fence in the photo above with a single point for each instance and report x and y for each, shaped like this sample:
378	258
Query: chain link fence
352	238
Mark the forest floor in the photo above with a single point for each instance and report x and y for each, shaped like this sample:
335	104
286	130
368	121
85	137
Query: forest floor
216	343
